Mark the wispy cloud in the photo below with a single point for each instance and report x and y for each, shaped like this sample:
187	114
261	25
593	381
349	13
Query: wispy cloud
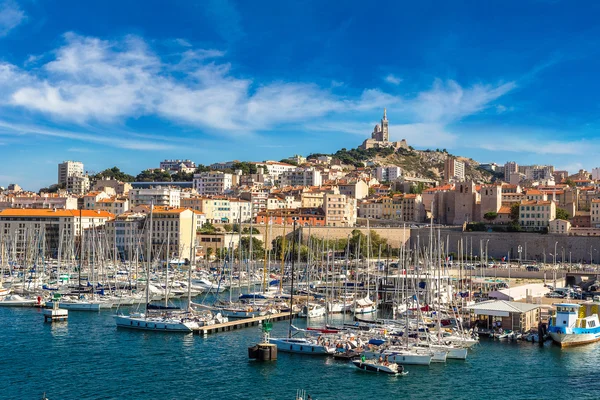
8	128
394	80
11	16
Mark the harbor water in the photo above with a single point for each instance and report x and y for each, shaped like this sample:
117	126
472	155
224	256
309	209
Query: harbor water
89	358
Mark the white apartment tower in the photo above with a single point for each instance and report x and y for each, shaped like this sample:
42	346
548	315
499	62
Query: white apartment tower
67	169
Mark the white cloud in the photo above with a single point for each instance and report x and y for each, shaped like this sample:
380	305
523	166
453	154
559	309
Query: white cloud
448	101
394	80
8	128
11	16
93	81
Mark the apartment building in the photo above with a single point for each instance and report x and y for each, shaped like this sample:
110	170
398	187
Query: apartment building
388	173
67	169
536	214
212	183
24	226
160	197
340	210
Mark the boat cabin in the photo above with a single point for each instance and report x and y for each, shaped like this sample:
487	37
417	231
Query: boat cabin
566	315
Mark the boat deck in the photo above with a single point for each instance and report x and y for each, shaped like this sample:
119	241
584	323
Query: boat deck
241	323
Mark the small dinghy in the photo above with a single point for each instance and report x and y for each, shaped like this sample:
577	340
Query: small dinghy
389	368
346	355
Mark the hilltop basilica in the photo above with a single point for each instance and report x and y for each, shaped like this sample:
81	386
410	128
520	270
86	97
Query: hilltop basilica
380	137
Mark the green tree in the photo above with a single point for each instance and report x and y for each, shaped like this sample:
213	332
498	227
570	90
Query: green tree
246	230
514	212
113	173
561	213
207	228
258	250
228	227
569	182
209	252
153	175
490	216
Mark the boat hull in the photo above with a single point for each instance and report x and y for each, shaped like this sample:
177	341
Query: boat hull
152	325
570	339
301	347
401	358
76	306
372	367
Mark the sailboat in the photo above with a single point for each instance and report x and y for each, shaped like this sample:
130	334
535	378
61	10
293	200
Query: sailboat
303	345
162	320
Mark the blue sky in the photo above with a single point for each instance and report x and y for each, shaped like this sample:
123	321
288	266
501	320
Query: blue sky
130	83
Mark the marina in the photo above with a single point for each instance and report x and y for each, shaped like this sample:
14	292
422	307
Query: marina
29	345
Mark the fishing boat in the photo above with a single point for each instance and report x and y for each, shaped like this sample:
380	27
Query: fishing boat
570	326
386	367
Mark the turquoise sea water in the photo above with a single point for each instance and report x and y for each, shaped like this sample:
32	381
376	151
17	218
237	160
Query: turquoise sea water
89	358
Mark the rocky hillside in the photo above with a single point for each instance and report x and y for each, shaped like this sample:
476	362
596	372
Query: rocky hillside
415	163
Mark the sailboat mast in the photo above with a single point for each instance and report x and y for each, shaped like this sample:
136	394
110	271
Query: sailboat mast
149	259
292	283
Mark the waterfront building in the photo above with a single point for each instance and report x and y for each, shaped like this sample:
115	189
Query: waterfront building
303	216
371	209
212	183
511	315
178	227
559	226
536	214
126	232
23	225
595	213
340	210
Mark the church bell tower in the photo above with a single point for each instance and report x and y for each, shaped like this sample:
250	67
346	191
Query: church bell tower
384	126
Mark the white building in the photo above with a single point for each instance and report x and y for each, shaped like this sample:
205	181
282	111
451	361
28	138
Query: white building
212	183
78	184
274	169
67	169
388	173
301	177
178	165
166	197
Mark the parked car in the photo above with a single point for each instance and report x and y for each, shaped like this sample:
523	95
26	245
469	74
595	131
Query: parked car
555	295
471	267
532	268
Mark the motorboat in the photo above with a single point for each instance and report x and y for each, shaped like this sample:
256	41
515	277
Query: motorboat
303	346
386	367
312	310
14	300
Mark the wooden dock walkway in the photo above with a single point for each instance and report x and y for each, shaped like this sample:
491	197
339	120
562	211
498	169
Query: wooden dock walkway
241	323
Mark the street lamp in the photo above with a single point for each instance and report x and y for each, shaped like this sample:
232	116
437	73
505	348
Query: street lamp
519	250
555	245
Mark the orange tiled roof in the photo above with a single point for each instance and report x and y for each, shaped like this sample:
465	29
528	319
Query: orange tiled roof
49	213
